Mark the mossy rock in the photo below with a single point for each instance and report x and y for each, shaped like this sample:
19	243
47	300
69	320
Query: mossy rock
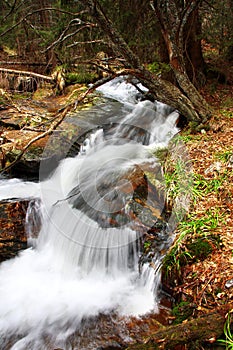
82	77
182	311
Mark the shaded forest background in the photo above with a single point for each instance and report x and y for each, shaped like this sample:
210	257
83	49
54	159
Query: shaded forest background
51	33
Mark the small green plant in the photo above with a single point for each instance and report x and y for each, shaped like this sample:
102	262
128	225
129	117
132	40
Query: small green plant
158	67
195	242
202	225
147	245
224	156
227	113
228	341
175	259
203	186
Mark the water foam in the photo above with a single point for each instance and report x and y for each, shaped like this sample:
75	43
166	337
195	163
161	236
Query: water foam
78	268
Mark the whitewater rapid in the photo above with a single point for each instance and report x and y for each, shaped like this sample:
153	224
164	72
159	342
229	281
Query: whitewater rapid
77	269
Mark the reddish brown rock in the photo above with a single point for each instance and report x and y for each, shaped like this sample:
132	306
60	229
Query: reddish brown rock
12	228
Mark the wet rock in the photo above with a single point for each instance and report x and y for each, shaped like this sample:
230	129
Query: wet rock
29	166
129	199
230	161
12	228
229	284
112	332
9	121
34	161
104	332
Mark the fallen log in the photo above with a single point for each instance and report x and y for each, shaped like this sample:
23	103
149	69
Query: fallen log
205	330
19	63
26	73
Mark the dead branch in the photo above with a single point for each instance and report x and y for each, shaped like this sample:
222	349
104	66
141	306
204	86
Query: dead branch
87	42
32	74
18	63
10	11
63	37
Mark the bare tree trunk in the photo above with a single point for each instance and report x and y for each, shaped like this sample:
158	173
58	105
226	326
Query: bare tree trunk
194	61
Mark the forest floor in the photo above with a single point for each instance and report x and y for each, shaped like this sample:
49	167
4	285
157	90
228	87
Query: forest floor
199	267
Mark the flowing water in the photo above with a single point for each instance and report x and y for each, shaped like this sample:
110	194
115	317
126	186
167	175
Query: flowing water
81	265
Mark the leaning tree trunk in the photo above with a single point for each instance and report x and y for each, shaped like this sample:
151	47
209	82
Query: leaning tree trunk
184	98
173	17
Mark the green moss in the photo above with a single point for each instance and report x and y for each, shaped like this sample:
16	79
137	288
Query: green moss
34	152
200	248
21	96
3	100
161	154
82	77
182	311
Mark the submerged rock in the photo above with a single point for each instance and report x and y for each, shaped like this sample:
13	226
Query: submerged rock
104	332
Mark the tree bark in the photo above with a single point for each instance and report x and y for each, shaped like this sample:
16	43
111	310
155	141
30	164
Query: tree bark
205	329
194	61
173	18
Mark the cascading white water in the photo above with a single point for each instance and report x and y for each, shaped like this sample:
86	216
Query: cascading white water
79	267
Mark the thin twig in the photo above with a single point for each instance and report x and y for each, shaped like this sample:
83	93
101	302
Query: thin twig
37	11
63	37
87	42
